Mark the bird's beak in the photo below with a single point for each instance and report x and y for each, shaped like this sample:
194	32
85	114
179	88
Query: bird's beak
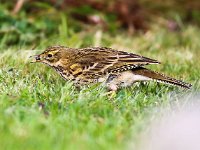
35	58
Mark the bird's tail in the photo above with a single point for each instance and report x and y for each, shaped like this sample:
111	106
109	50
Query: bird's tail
160	77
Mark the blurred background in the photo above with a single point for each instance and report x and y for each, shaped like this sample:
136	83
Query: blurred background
39	110
30	21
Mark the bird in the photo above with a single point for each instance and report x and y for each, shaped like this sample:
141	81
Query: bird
113	68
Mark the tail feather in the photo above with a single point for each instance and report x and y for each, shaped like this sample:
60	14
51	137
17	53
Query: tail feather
160	77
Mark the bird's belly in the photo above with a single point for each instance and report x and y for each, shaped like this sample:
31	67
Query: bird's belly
128	78
79	81
125	79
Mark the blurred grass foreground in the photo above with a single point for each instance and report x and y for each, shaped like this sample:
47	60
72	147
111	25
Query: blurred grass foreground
39	110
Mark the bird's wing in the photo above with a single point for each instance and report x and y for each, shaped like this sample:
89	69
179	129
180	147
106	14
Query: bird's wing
96	61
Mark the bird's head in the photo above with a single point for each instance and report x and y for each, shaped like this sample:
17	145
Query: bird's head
51	56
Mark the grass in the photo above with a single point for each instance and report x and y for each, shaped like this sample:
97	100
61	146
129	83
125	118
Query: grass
39	110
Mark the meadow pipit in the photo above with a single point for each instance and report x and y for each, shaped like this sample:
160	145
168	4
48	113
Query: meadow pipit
116	69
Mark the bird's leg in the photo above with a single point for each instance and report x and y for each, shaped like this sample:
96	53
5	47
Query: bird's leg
111	94
112	82
110	85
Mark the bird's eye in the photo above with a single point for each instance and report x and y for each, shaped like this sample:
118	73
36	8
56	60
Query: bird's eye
49	55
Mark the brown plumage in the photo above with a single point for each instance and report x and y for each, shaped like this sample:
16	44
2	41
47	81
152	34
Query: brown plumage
100	64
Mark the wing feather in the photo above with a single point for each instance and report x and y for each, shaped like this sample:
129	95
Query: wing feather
96	61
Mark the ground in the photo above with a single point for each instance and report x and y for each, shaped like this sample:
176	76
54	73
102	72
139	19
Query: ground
39	110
